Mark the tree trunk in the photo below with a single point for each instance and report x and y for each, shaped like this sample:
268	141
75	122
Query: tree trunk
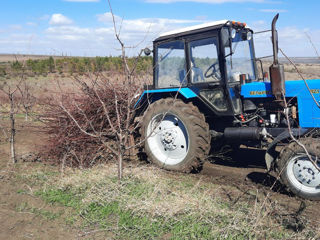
120	165
13	130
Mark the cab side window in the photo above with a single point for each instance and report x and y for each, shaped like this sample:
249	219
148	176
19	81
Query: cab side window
171	65
204	60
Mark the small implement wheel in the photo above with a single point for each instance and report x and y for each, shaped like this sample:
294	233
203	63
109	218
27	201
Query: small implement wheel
298	173
176	135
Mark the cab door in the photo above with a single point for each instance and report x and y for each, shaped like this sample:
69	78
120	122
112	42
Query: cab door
205	72
239	61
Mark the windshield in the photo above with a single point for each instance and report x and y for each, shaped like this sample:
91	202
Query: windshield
241	60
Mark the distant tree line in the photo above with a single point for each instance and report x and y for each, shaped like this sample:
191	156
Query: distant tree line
74	65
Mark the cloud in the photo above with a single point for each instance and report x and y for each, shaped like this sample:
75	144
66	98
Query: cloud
68	33
59	19
94	41
11	29
273	10
75	40
292	40
67	30
208	1
140	30
145	24
107	18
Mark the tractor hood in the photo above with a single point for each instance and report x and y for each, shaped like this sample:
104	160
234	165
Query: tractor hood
309	112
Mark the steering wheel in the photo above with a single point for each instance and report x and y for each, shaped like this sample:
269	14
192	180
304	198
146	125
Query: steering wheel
213	71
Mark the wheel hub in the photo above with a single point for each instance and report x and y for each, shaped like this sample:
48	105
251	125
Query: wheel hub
306	173
168	138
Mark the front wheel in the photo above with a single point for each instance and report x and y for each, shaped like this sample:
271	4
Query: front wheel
298	172
176	135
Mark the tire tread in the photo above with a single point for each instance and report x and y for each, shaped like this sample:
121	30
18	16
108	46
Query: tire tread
200	127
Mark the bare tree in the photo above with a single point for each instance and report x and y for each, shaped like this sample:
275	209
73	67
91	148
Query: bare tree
313	46
27	98
17	92
94	123
10	92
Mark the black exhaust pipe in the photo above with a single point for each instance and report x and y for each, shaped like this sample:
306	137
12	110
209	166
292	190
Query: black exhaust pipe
276	70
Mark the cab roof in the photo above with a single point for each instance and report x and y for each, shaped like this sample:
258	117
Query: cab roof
192	29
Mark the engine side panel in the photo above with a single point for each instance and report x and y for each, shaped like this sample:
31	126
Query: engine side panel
309	112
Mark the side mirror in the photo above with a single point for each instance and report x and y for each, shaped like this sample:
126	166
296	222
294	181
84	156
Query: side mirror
147	51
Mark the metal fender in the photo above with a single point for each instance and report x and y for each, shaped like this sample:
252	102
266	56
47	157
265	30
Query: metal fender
271	153
185	92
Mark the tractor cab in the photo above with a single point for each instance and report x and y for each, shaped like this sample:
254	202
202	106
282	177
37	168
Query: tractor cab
210	59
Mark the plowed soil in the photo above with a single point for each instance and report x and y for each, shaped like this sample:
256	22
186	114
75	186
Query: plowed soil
247	171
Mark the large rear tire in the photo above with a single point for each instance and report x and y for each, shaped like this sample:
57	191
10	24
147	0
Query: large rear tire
176	135
298	173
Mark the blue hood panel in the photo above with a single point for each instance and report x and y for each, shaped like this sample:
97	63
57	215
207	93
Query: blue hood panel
309	113
186	92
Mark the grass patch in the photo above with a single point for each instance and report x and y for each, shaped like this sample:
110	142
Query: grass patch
63	197
22	191
48	215
157	207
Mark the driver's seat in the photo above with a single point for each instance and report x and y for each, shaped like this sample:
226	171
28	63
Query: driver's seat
196	73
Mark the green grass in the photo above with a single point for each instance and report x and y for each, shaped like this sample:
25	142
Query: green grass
21	191
153	204
65	198
48	215
35	178
129	225
113	215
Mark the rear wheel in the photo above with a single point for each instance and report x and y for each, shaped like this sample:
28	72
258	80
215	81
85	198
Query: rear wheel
298	173
177	135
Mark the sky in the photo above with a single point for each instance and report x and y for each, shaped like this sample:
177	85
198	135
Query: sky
84	27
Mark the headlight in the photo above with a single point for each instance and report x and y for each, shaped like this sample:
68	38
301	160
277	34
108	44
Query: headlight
246	35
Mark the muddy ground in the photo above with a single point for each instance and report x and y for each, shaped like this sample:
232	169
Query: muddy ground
15	222
246	172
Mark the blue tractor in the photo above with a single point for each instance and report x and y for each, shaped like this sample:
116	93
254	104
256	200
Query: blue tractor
206	93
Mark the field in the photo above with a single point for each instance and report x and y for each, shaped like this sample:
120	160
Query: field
233	198
308	67
22	57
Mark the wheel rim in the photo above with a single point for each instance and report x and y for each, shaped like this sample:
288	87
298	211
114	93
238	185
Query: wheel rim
303	174
168	138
